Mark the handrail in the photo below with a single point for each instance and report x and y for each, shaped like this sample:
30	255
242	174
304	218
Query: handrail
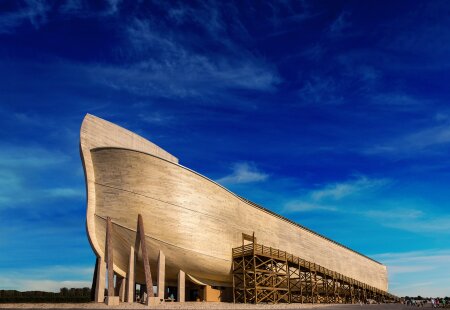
260	249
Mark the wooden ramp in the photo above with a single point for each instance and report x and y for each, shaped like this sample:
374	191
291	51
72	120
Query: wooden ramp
263	274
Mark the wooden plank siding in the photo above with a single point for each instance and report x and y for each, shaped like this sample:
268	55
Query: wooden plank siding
193	220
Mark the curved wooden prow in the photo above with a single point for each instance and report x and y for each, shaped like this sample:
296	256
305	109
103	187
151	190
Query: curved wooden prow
97	133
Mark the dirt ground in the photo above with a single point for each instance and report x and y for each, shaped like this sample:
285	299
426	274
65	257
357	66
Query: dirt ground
212	306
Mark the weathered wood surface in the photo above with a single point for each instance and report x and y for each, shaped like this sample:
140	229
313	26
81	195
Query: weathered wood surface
96	132
181	286
100	279
161	278
195	221
130	277
140	243
109	256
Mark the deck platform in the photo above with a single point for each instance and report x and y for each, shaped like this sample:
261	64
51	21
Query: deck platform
264	274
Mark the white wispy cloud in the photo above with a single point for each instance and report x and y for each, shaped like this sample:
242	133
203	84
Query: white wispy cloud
410	219
39	285
27	156
46	278
160	61
32	11
16	162
359	186
113	6
314	52
37	12
399	213
156	118
12	194
326	90
166	66
330	196
420	141
63	192
305	206
206	15
320	90
21	164
51	272
347	198
356	80
420	35
190	76
340	24
86	9
415	273
398	101
27	119
428	257
243	172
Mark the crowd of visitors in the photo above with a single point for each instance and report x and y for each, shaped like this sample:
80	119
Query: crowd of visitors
434	302
438	302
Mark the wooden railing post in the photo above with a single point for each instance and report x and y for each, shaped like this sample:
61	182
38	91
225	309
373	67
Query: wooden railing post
315	283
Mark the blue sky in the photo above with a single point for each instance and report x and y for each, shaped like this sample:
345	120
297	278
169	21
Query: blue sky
334	114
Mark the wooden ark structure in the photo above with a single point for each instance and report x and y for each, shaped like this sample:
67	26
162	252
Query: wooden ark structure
155	222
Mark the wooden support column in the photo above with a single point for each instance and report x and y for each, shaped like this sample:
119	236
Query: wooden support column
352	292
181	286
120	288
109	257
234	281
300	276
311	283
111	300
130	287
288	274
161	277
140	242
315	290
254	268
94	281
244	274
100	280
142	292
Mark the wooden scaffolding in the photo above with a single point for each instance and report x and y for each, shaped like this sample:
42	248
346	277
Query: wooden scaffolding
263	274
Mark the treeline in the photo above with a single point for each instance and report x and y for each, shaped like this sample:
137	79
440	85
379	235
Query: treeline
64	295
447	299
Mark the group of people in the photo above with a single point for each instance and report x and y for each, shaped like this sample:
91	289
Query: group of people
415	303
435	302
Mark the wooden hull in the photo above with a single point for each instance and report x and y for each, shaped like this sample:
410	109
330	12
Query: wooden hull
193	220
